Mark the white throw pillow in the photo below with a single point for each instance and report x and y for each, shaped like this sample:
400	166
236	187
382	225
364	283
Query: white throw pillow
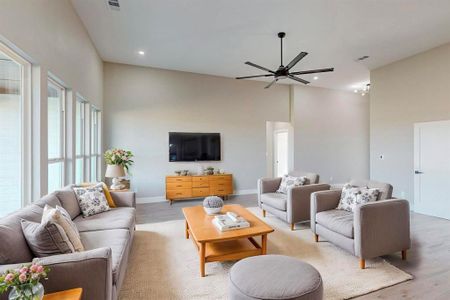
288	182
352	196
91	199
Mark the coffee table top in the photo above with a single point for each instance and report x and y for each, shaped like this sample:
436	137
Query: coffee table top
203	230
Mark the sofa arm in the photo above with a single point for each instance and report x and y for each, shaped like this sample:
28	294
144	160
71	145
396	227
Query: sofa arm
381	227
322	201
90	270
267	185
124	199
299	199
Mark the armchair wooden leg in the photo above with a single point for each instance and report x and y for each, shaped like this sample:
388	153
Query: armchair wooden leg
362	263
316	238
264	213
403	254
292	226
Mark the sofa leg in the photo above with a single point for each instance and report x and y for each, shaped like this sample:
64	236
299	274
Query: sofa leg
292	226
403	254
362	263
316	238
264	213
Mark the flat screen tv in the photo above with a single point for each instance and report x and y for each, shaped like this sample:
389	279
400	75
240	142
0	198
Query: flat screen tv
188	146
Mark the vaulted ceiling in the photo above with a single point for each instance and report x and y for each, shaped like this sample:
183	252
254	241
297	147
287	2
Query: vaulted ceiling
217	37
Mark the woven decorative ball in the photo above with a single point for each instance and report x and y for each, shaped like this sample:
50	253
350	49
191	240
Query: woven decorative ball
212	205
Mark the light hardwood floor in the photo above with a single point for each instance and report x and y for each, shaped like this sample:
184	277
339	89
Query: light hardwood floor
428	260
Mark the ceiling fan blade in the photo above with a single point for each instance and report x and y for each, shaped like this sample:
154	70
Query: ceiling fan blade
255	76
296	60
259	67
298	79
270	84
313	71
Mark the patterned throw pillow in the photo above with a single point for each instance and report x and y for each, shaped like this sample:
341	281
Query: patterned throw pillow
352	196
288	182
92	200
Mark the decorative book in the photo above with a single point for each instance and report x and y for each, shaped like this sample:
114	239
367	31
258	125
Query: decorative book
230	221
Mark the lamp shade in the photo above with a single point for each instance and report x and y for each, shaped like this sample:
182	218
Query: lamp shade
113	171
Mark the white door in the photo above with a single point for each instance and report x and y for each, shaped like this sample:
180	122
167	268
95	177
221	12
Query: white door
280	153
432	168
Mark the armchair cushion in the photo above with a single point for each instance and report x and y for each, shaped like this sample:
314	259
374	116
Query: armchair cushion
352	196
275	200
290	182
339	221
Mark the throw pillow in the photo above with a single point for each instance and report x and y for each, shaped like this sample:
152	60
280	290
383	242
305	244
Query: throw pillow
352	196
288	182
45	239
108	196
61	217
92	200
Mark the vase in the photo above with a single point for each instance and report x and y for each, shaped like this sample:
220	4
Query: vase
27	292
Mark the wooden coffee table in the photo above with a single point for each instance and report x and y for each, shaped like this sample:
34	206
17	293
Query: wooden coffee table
214	245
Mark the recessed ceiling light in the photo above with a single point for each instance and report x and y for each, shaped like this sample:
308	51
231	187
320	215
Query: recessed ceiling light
141	52
316	77
355	91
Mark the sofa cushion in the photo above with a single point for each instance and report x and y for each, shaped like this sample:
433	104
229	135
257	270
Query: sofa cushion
69	201
339	221
116	218
116	239
49	199
91	199
13	246
275	200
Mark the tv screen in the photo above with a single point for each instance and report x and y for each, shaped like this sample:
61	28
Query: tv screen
187	146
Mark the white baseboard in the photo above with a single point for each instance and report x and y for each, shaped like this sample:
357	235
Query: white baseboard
155	199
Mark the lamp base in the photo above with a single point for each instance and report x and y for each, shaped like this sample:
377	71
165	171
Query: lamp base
116	185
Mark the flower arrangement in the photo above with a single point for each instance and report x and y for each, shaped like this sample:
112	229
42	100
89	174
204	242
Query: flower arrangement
119	157
24	282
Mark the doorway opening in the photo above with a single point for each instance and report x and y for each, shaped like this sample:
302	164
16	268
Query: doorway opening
279	148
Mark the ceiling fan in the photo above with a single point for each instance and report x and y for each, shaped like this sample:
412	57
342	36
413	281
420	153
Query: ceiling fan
284	72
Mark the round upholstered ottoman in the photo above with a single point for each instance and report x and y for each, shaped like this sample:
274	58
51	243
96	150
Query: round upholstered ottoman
274	277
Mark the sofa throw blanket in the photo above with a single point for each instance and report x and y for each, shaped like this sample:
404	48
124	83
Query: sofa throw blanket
288	182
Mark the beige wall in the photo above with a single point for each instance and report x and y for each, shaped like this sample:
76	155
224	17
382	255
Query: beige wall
143	104
52	35
331	133
415	89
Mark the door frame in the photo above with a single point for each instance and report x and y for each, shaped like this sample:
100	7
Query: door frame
275	149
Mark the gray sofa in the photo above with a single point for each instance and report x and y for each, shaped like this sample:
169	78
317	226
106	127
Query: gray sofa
373	229
294	206
107	238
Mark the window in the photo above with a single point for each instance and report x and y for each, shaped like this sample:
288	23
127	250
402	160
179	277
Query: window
12	120
80	140
56	128
95	144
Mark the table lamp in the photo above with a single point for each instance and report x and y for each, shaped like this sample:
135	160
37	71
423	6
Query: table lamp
114	172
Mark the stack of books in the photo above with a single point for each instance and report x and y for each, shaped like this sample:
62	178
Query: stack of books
230	221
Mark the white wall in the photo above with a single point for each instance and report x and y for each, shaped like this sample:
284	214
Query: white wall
411	90
331	133
143	104
50	35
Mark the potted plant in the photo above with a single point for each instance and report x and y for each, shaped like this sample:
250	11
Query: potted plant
209	171
24	283
117	160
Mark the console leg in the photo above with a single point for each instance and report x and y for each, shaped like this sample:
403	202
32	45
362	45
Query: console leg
362	263
292	226
316	238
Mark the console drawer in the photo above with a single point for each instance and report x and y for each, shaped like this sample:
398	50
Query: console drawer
180	193
178	185
174	179
200	184
220	190
200	192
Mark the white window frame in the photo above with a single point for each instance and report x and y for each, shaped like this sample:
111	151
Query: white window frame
82	155
63	158
26	115
95	142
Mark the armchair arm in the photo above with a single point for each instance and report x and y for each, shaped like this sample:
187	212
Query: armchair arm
381	227
298	201
322	201
90	270
267	185
124	199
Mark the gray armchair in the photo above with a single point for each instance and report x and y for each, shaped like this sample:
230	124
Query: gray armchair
292	207
373	229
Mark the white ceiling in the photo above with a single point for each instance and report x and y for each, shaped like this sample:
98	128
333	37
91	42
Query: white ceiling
216	37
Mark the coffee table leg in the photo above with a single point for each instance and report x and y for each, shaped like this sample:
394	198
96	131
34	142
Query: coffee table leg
187	230
264	244
202	259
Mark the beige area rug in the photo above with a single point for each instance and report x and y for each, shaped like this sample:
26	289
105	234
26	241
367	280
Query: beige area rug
164	265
